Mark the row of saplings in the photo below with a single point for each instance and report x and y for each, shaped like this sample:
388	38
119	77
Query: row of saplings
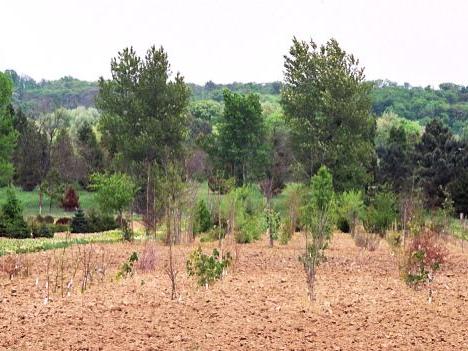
316	210
13	224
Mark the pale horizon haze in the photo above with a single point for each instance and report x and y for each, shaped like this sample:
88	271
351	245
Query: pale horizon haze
420	42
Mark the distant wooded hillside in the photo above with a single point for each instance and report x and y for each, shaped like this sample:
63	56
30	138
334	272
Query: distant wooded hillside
449	102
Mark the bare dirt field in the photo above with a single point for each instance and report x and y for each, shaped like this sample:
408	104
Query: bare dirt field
362	304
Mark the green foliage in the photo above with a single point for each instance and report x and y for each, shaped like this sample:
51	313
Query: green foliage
289	204
127	269
114	192
239	145
206	268
285	232
250	230
30	201
390	120
127	233
12	224
89	149
458	189
19	246
8	135
215	233
396	160
243	208
351	208
441	160
320	211
44	96
202	218
41	230
381	213
143	110
328	107
79	223
319	218
100	222
207	110
423	103
30	156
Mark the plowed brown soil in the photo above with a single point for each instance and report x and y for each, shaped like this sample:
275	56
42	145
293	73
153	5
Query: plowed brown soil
261	304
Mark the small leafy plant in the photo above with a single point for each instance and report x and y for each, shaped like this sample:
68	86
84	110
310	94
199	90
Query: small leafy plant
423	258
285	232
202	220
127	269
206	268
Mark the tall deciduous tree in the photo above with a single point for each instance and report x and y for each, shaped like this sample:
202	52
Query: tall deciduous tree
240	143
8	135
114	193
327	104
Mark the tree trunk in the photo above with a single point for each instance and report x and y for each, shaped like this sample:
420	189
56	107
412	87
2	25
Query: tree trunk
41	198
148	220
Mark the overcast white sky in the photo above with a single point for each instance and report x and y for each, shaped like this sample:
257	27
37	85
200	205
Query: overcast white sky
418	41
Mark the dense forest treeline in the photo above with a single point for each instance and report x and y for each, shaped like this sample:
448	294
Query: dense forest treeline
165	136
449	102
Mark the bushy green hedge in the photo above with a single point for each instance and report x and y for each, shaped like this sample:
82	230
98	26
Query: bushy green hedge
92	222
202	218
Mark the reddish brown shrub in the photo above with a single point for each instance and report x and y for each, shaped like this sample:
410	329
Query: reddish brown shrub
423	258
63	221
70	201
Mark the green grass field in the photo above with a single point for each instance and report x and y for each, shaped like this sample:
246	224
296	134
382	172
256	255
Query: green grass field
30	202
18	246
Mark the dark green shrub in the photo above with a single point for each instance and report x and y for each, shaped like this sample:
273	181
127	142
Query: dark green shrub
42	231
98	222
79	223
12	223
202	218
206	268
